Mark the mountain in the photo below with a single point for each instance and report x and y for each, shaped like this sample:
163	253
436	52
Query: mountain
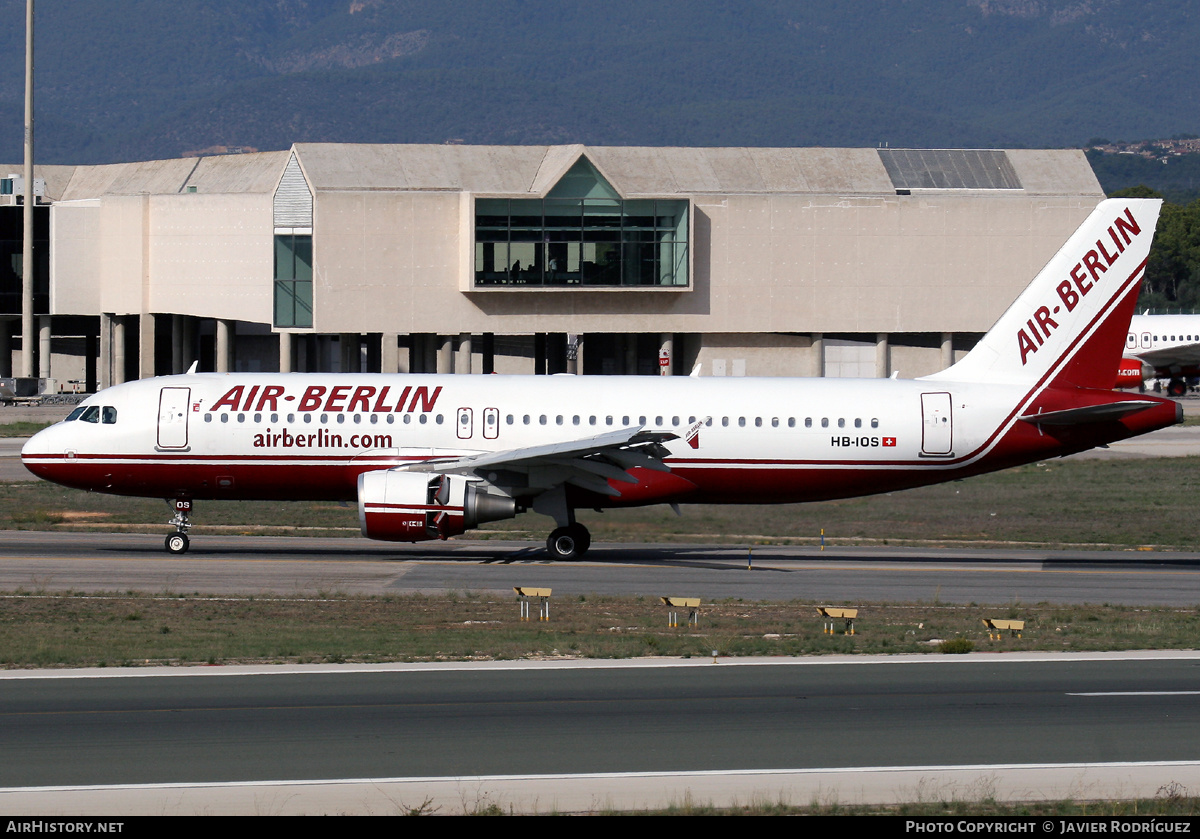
136	79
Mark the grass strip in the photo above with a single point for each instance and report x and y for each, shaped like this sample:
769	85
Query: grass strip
1090	504
76	630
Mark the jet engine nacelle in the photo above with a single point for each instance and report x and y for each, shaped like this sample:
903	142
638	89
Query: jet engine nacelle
1131	372
416	506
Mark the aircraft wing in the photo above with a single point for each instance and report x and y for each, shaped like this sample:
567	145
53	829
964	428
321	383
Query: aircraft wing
588	463
1184	355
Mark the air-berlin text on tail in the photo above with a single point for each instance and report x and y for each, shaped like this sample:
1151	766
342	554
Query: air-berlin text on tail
335	400
1084	276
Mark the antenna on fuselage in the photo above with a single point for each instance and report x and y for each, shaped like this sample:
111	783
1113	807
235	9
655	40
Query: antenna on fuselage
192	369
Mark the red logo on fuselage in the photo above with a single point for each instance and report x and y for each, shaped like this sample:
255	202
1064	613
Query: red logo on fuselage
339	399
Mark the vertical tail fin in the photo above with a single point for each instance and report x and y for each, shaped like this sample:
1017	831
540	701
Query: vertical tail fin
1068	327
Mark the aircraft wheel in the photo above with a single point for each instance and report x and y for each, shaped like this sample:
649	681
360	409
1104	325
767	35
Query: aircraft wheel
583	539
564	544
1177	387
177	543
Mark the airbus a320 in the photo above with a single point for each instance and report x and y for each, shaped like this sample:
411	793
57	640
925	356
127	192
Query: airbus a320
430	457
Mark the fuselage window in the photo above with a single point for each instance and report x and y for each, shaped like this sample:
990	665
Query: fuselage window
675	421
241	417
424	418
357	418
608	420
391	418
874	422
808	422
224	417
509	419
575	420
308	417
758	422
641	420
691	420
341	418
258	417
591	420
841	422
324	418
542	419
208	417
774	422
824	422
708	422
558	420
625	421
407	419
857	423
375	418
290	418
791	422
658	421
438	419
724	422
275	418
741	422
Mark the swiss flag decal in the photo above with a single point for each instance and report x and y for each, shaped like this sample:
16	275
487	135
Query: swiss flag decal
889	441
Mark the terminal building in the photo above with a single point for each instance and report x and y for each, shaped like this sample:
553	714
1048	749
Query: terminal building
533	259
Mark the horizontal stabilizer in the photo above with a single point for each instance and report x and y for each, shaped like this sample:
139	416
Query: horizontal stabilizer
1108	412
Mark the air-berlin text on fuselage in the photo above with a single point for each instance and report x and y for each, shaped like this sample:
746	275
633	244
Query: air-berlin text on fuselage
334	400
1084	275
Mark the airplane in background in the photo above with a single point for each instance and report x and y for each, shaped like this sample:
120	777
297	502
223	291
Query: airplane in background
429	456
1161	347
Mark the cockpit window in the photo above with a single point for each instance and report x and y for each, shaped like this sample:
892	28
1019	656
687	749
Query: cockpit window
91	414
74	415
108	415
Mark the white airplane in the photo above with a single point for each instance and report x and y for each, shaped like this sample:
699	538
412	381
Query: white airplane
428	457
1162	347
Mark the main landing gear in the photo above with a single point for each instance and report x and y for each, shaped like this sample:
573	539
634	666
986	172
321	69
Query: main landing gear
570	542
177	542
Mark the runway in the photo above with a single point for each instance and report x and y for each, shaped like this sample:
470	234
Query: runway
585	735
93	562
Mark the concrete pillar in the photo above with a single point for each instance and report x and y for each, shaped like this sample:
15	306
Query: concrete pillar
462	364
631	365
118	349
146	345
666	354
883	356
5	348
104	367
445	354
285	352
225	336
817	353
947	349
44	333
389	353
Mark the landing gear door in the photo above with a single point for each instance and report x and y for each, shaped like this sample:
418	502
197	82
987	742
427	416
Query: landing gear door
173	417
937	434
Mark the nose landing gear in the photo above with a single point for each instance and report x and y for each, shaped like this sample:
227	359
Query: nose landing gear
177	542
